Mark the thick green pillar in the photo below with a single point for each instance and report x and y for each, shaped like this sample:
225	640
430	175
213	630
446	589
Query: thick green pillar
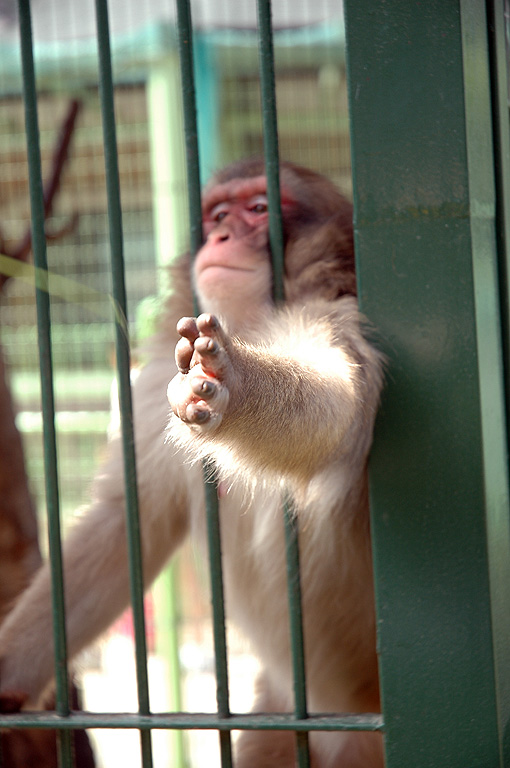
424	192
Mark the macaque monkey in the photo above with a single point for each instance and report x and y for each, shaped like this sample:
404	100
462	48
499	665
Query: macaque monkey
283	399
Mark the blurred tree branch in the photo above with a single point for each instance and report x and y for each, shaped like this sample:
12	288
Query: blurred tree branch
22	249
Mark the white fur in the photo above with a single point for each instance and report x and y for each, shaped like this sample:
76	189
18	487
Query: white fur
344	373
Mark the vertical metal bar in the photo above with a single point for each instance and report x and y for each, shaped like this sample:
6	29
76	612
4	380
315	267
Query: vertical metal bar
272	165
218	612
427	264
500	85
123	367
271	151
296	630
213	533
497	11
46	370
185	44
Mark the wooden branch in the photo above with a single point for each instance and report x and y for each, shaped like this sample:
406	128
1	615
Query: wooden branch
21	250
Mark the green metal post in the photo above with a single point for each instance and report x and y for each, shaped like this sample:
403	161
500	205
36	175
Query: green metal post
426	245
185	43
271	151
46	367
272	167
500	97
123	368
218	612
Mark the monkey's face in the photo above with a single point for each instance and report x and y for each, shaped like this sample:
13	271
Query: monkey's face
232	271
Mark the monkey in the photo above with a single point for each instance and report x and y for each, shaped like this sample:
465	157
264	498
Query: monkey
282	399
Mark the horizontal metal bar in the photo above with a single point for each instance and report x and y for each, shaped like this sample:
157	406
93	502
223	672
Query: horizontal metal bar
195	721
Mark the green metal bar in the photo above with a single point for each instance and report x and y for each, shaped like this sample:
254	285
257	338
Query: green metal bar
427	265
296	629
498	524
296	619
500	91
271	151
218	611
123	366
195	721
185	45
272	166
46	370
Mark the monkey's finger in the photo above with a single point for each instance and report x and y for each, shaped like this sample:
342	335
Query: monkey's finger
187	327
183	354
178	395
204	388
204	345
211	356
209	325
197	413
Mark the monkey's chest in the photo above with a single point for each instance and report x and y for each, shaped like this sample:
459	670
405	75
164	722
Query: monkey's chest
255	575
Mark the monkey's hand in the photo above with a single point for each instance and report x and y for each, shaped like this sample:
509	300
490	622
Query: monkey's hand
199	393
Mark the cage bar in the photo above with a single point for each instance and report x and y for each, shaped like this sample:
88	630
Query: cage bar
498	49
185	45
123	367
296	629
46	372
218	611
272	165
196	721
270	136
427	254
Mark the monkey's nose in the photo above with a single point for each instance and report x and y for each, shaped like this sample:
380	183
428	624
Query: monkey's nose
218	237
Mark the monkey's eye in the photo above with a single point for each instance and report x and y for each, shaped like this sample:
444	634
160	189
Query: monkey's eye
258	205
219	212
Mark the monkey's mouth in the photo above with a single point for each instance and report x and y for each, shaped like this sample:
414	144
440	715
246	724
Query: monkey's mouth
236	267
208	264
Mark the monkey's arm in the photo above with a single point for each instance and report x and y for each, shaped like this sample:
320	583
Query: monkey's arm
95	555
306	393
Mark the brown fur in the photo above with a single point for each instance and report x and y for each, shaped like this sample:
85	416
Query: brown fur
319	235
290	398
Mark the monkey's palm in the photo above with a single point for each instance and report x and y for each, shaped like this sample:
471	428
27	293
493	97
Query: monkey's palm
199	393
